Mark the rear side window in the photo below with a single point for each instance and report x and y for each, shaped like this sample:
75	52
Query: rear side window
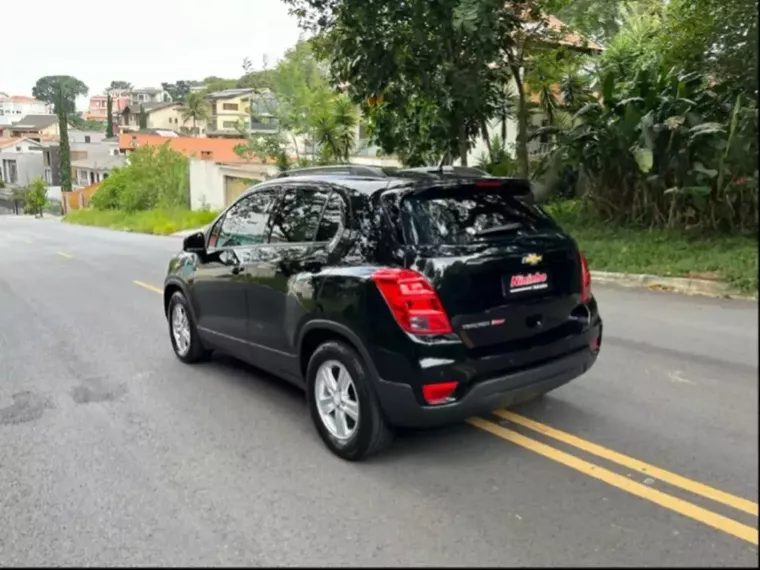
466	215
332	218
307	214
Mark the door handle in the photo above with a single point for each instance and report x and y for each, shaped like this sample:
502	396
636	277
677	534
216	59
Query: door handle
236	269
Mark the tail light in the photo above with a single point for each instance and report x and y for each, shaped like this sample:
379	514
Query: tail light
585	280
438	393
413	301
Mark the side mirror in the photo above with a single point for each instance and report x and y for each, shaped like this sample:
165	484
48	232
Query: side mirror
195	243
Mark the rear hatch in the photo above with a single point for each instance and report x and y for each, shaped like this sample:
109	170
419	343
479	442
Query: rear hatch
503	270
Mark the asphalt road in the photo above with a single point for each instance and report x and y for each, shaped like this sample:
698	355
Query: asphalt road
112	452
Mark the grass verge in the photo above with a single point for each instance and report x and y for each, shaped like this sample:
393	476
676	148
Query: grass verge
731	259
159	222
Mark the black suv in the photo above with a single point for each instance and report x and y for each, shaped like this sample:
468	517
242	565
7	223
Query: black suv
409	300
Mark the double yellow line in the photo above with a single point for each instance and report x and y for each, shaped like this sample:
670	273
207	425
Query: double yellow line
680	506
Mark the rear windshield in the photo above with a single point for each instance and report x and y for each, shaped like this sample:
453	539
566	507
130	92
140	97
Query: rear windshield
466	215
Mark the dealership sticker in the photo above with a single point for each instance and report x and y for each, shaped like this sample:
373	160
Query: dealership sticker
528	282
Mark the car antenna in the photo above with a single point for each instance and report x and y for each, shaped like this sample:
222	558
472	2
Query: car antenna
442	161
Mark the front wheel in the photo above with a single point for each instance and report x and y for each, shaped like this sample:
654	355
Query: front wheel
343	406
186	343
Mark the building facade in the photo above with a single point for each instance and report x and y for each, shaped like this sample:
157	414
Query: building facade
14	108
232	109
160	116
148	95
21	161
98	108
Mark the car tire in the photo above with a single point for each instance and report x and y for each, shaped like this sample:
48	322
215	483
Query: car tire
188	346
371	432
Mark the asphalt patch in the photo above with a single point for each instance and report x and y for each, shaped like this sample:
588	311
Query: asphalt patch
95	391
26	407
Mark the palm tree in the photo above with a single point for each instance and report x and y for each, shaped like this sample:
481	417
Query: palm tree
344	114
334	130
195	108
574	90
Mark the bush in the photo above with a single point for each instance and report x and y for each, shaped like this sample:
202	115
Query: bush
156	177
156	221
497	162
665	149
35	197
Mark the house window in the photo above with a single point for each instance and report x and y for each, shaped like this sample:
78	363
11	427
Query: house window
105	175
87	138
10	171
230	106
229	124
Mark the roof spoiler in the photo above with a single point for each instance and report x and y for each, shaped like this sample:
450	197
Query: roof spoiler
517	187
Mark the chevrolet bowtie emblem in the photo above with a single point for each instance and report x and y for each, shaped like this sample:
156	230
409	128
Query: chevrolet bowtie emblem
532	259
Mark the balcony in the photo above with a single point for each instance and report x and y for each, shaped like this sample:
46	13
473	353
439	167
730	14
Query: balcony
268	126
539	149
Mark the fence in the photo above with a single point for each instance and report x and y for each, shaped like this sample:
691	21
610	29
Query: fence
78	199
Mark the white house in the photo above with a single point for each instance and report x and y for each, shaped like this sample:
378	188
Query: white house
14	108
21	161
94	169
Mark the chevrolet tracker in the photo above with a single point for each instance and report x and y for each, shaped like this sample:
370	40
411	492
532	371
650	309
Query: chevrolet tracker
393	298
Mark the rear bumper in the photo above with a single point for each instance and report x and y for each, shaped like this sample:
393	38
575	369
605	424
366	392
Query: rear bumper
402	408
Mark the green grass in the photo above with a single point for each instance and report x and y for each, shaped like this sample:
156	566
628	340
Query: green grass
159	222
730	259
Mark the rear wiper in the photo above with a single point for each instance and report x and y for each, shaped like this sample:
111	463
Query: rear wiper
499	229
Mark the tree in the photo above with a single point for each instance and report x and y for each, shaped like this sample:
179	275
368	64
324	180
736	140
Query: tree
83	124
334	130
143	118
425	66
264	147
119	86
61	91
255	79
109	116
717	37
47	89
177	91
599	20
536	52
63	132
303	93
36	197
213	83
195	108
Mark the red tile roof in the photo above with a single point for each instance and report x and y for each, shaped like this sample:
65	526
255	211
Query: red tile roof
218	150
20	99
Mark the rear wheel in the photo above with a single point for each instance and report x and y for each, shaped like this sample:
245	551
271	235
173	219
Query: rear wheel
186	343
343	406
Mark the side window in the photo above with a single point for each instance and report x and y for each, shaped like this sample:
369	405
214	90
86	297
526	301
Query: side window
297	217
332	218
246	222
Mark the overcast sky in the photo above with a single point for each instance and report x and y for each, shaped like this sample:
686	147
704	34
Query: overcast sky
144	42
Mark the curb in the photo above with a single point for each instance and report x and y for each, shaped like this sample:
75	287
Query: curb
674	284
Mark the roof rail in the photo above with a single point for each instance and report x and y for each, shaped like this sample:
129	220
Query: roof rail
336	170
